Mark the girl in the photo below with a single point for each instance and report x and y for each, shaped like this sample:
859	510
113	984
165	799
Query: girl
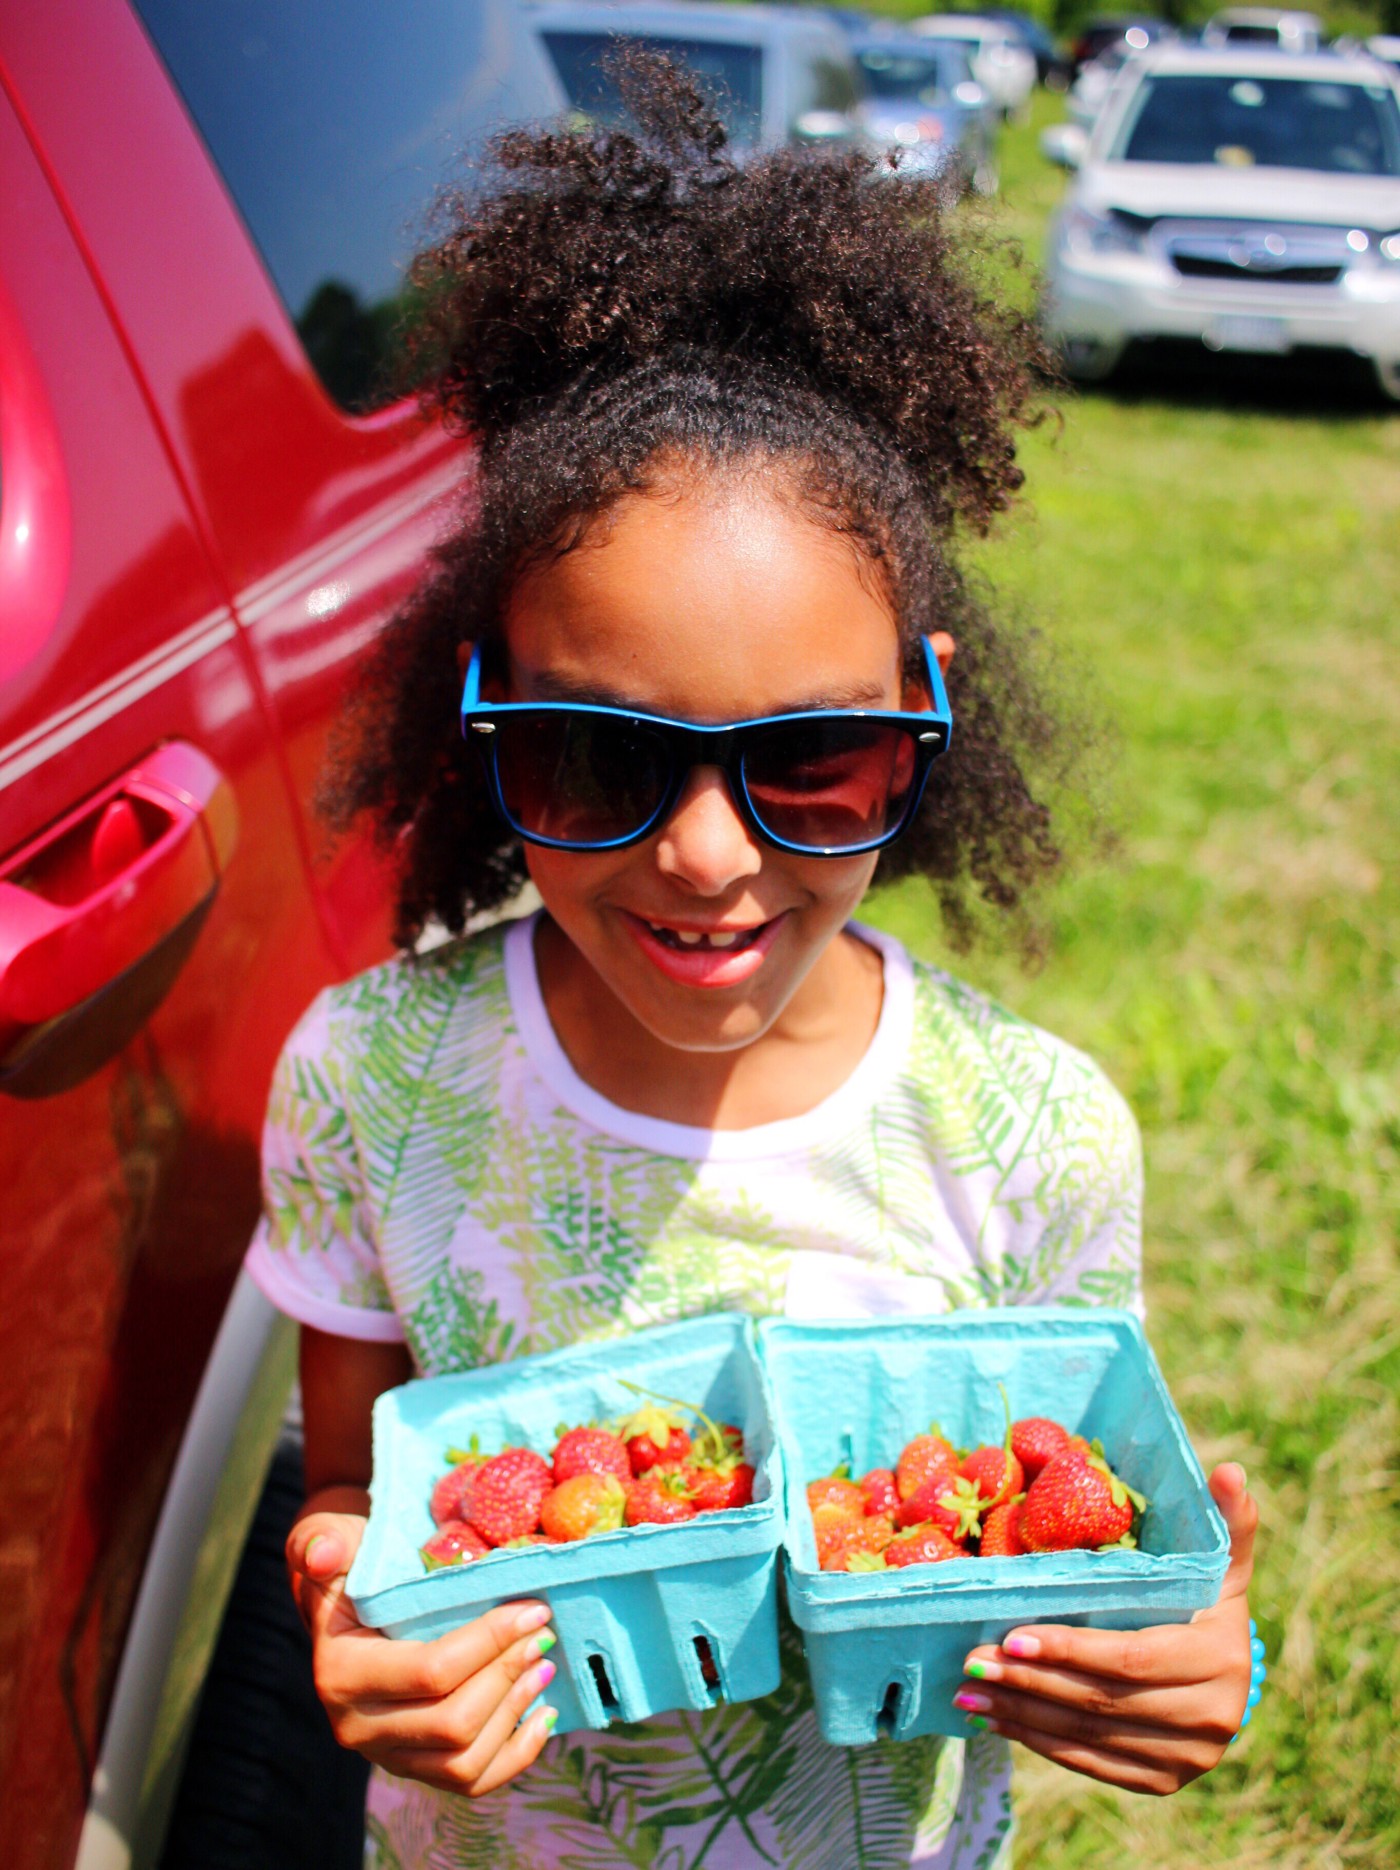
731	421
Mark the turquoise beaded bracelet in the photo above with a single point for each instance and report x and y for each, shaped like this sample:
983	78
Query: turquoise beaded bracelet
1258	1675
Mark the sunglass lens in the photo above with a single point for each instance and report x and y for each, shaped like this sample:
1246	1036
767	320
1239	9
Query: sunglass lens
830	785
579	778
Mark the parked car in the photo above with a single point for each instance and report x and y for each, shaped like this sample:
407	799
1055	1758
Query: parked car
1035	36
778	75
1385	47
1088	94
1136	31
1263	26
1001	61
925	102
210	497
1247	200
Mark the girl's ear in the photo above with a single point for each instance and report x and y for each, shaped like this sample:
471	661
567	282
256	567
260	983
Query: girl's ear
943	647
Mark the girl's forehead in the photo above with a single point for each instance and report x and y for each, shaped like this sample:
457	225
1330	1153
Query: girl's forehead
715	602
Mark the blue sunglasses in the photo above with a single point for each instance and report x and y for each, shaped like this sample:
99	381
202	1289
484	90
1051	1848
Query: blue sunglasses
830	782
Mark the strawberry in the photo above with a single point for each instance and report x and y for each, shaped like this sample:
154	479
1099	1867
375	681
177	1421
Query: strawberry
1035	1439
654	1436
663	1496
835	1490
506	1495
926	1546
994	1472
923	1458
948	1502
717	1488
453	1544
453	1492
836	1547
583	1504
1001	1530
590	1450
880	1490
1076	1503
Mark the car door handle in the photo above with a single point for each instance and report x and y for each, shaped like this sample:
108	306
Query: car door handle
87	899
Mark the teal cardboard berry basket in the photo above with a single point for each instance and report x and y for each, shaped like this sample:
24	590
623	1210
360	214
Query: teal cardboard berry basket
638	1612
885	1648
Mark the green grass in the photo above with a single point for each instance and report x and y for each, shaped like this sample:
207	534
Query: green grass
1228	578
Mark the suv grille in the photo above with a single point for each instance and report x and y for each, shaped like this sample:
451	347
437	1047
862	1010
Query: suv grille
1198	266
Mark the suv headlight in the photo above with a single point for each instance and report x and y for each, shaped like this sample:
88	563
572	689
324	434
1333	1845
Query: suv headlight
1104	230
1388	246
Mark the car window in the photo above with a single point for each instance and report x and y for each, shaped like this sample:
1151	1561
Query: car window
731	72
333	122
915	77
822	81
1274	123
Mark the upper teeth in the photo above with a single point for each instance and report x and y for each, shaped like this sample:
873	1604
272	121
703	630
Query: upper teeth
692	938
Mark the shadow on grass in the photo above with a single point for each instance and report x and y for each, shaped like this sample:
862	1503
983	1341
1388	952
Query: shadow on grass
1308	383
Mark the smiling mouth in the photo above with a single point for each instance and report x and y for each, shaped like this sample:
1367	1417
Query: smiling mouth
730	941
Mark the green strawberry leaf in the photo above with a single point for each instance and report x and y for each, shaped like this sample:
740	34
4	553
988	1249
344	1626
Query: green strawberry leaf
866	1561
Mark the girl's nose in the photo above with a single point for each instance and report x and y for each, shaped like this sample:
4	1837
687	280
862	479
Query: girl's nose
705	844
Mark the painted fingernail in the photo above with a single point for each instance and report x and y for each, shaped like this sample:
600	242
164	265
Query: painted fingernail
550	1716
317	1538
531	1619
1023	1646
541	1678
977	1724
544	1642
981	1671
971	1703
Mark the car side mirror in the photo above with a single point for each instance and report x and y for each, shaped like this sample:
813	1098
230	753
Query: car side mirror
1064	144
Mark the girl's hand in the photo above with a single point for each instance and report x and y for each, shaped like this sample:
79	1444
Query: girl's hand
446	1712
1149	1710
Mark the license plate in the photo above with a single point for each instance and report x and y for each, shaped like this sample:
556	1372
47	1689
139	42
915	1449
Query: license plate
1240	333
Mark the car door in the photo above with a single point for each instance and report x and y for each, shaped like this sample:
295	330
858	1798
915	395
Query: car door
294	151
157	937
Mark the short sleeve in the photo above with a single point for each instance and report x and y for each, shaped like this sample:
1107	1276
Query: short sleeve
314	1253
1089	1250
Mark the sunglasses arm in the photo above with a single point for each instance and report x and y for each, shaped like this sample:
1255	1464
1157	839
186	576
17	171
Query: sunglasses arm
938	694
471	687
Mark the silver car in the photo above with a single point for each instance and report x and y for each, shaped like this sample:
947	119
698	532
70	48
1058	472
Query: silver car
778	75
925	103
1246	199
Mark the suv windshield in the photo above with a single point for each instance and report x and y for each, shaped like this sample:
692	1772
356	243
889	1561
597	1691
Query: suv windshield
730	73
917	77
1265	123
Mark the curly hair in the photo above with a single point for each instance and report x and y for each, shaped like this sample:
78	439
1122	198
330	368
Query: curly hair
617	302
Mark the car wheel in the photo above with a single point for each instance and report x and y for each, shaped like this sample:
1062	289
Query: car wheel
1089	360
265	1786
1388	377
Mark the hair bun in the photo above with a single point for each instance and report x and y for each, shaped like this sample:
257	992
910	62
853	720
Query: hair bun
593	254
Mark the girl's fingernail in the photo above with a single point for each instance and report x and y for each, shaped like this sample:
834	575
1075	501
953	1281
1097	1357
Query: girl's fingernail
531	1619
971	1703
317	1538
550	1716
544	1642
981	1671
977	1723
1023	1646
542	1677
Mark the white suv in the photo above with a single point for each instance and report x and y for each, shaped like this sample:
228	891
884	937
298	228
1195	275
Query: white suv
1247	199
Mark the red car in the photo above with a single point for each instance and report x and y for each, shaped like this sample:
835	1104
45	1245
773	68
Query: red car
209	500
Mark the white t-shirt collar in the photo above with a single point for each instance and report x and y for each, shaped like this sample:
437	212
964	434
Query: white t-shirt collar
846	1106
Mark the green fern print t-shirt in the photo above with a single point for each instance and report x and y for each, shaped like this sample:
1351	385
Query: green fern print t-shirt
436	1172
